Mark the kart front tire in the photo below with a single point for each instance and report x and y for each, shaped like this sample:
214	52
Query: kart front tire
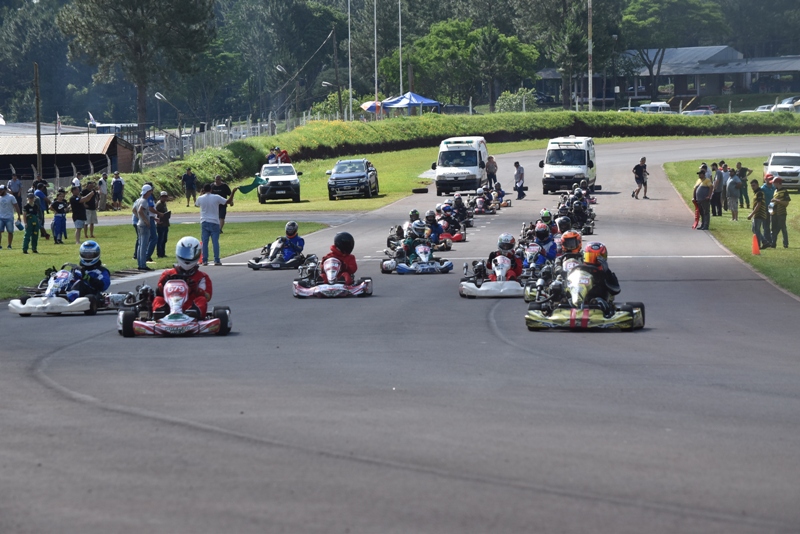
222	313
127	324
638	305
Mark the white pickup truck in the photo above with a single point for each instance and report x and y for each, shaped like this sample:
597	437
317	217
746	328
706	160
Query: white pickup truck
787	166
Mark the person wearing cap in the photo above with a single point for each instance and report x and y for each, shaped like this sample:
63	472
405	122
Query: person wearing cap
102	192
59	208
703	191
117	190
141	209
519	181
8	205
77	203
31	213
732	188
758	215
780	201
189	181
162	226
769	191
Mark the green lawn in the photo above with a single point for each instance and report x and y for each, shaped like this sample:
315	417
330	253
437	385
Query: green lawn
116	243
779	264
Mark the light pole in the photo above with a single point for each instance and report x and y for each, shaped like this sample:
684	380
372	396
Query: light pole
591	74
614	68
338	90
159	96
280	68
400	38
349	66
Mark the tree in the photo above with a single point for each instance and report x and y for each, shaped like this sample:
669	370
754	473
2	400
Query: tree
147	40
501	59
652	26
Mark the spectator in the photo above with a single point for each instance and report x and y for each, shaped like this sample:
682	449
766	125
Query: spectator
153	214
59	208
117	190
8	205
743	173
102	192
44	205
758	215
519	180
221	188
15	188
39	180
780	201
726	175
640	176
31	211
77	203
716	197
491	171
732	187
91	209
209	220
769	191
141	211
703	190
271	158
162	227
76	180
189	181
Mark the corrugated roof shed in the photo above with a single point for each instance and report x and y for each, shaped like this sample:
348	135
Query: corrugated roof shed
20	145
29	128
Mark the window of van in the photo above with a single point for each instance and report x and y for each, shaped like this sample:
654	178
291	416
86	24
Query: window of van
458	158
566	156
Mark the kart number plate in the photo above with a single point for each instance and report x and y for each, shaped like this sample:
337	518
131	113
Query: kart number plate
280	192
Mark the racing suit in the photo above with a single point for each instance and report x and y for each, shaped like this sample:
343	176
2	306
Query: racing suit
453	226
559	265
549	251
516	264
605	285
200	290
409	251
88	281
292	246
435	231
349	266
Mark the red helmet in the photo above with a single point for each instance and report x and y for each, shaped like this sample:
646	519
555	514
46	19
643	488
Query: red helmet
542	231
594	253
571	242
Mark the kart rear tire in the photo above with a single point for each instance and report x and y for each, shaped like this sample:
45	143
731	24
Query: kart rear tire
222	313
638	305
92	306
127	324
535	306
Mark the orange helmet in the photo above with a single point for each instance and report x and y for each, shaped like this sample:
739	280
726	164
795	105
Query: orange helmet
594	253
571	242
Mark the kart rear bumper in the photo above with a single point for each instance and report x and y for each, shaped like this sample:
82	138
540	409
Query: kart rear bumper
584	319
489	289
362	289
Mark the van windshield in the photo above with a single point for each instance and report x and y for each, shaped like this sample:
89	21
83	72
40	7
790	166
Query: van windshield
566	156
458	158
789	161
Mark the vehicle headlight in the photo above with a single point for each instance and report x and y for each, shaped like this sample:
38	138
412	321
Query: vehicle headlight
294	181
362	180
470	177
548	175
331	181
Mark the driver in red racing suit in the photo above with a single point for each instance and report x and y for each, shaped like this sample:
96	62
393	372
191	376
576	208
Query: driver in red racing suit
343	244
187	254
505	246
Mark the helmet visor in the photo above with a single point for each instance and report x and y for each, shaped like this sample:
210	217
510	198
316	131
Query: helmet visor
571	243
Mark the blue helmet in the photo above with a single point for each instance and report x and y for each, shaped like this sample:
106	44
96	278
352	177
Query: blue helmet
89	253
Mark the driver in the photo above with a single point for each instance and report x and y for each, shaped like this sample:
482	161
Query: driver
413	215
434	228
292	244
543	238
343	244
417	234
547	217
505	247
571	245
452	225
187	256
92	278
606	285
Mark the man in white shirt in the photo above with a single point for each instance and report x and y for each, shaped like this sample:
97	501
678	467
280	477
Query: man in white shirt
76	180
141	212
102	187
209	204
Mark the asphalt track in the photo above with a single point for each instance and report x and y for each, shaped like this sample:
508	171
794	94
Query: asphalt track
418	411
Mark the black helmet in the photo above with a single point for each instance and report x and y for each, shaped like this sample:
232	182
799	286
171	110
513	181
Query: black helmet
344	242
291	229
563	224
413	215
579	194
430	217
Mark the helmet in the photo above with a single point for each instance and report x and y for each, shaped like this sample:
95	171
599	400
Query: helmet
497	186
456	195
594	253
542	231
578	207
413	215
418	229
187	252
430	216
546	216
344	242
448	202
447	210
291	229
506	242
563	210
579	194
479	191
563	224
438	209
90	254
584	184
571	242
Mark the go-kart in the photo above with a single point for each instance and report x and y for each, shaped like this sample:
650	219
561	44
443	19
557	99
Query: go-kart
479	285
560	307
455	234
142	321
272	257
50	296
465	215
482	207
424	264
396	235
327	283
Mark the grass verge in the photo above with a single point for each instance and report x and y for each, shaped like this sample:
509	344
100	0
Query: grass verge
117	244
778	264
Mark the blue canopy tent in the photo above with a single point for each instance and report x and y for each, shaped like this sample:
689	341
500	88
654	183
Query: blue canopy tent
410	100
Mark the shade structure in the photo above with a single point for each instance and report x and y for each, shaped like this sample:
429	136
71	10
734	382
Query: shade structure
370	106
410	100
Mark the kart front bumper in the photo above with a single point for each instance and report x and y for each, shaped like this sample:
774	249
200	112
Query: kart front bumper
489	289
49	305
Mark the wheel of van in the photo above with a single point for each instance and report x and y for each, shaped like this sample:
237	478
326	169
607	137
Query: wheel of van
331	196
368	192
377	187
438	192
545	191
262	200
296	198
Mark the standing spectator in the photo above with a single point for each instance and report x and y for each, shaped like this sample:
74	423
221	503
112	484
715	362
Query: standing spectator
726	175
44	205
640	175
162	227
780	201
271	158
38	180
8	205
15	188
703	190
519	180
91	209
102	192
716	198
76	181
221	188
59	208
189	181
117	190
732	188
151	210
31	212
759	214
769	191
141	211
77	203
743	173
491	171
209	220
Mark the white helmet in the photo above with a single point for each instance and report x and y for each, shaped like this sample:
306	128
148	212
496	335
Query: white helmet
479	191
187	253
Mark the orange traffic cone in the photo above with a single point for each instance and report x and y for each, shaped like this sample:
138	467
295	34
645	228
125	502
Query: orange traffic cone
756	250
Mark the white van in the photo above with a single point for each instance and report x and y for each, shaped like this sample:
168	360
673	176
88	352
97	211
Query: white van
461	165
568	160
656	107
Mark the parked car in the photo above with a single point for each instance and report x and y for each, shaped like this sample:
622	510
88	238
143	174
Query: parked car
766	108
282	183
633	109
656	107
352	177
787	108
639	89
710	107
787	166
791	100
698	112
542	98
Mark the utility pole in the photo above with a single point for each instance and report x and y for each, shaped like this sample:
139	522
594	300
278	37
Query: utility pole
336	67
38	120
591	74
